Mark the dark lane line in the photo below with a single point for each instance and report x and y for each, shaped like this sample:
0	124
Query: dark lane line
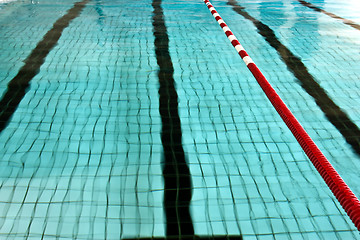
18	86
178	187
223	237
333	113
317	9
99	9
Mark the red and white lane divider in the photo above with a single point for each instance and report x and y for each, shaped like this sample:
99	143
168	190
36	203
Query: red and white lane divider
341	191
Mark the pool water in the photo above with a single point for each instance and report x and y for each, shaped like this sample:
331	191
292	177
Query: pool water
130	88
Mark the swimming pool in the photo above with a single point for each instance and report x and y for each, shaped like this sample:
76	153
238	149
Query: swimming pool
84	150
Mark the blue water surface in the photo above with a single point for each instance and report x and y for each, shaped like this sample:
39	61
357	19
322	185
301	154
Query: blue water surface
82	157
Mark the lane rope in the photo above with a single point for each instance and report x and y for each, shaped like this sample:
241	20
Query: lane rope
339	188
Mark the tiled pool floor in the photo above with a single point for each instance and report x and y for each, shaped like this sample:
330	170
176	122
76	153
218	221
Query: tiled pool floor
140	106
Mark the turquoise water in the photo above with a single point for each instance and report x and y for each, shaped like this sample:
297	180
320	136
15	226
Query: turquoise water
82	155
